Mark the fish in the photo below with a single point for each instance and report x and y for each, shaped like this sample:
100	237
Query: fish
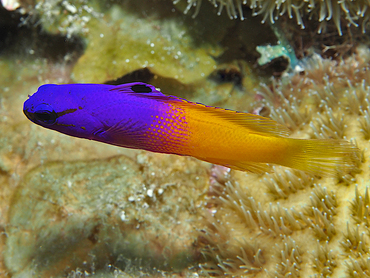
139	116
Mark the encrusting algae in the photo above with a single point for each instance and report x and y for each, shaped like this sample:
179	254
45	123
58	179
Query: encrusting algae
61	221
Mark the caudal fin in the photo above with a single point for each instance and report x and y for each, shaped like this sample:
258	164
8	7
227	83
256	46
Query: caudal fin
323	157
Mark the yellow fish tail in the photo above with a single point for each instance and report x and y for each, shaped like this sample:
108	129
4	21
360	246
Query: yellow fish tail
323	157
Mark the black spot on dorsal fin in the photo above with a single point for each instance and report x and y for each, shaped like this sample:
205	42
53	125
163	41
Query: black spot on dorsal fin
141	88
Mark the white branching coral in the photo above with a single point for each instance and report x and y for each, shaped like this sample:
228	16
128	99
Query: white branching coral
354	12
67	17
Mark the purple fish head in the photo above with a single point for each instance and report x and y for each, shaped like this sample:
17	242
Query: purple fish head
56	107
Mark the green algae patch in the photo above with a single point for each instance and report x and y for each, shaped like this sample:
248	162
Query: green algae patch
85	216
131	43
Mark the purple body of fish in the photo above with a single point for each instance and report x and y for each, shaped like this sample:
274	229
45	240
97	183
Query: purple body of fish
120	115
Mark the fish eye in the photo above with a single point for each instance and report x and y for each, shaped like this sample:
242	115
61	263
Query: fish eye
45	113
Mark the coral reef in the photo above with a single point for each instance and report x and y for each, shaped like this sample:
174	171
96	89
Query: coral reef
75	208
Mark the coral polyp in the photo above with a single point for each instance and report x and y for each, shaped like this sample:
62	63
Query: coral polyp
353	12
233	7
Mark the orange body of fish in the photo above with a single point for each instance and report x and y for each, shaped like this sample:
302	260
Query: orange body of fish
251	143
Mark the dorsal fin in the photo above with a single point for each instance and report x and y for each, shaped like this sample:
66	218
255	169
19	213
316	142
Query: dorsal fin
255	123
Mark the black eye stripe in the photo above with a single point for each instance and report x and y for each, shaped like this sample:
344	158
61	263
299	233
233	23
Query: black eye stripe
45	114
46	117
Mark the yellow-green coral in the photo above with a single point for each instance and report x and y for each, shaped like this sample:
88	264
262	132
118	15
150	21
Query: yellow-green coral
133	43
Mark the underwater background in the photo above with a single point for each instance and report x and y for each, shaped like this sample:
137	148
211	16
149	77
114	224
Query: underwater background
76	208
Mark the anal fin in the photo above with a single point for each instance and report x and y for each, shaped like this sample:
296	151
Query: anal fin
246	166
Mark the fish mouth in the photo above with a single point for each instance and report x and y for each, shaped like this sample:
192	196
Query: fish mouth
29	115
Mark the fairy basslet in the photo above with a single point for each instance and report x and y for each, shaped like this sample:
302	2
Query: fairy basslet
137	115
